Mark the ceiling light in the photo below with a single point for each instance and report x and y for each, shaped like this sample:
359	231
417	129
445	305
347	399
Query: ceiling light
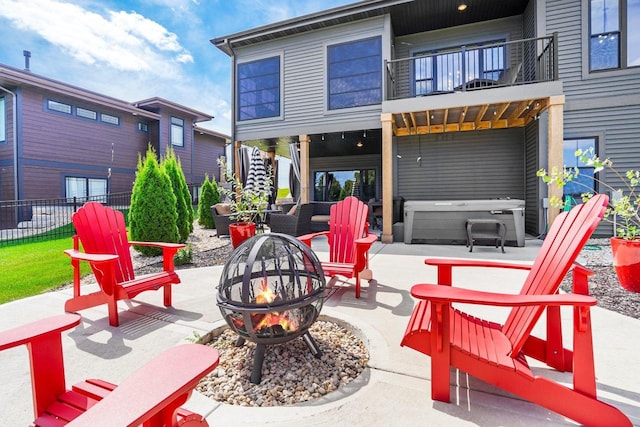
359	144
462	7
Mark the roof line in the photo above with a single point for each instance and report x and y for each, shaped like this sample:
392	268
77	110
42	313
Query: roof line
222	43
16	76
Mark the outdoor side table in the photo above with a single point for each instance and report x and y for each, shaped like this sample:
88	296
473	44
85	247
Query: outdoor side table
498	233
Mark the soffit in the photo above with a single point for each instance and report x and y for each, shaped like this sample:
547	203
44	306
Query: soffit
407	17
497	115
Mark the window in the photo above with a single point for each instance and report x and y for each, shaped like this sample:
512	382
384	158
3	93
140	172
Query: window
87	114
177	132
143	127
3	120
614	39
108	118
443	72
86	188
259	89
355	73
586	178
58	106
332	186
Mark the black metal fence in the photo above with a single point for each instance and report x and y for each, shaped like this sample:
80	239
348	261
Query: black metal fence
23	221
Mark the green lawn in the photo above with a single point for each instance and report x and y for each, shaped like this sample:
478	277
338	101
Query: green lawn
33	268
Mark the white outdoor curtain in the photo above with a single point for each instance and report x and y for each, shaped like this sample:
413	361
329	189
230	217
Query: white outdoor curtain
294	172
257	177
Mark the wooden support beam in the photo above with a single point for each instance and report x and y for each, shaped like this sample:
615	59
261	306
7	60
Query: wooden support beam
497	114
480	115
305	189
555	147
387	178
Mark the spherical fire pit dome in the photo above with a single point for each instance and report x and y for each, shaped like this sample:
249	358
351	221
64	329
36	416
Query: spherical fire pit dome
271	289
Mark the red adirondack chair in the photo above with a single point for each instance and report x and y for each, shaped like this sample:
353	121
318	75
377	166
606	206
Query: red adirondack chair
103	235
152	395
497	353
349	241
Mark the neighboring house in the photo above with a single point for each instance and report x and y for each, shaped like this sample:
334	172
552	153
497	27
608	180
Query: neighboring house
421	100
67	141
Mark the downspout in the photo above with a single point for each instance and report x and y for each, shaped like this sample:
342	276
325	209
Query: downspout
15	141
233	105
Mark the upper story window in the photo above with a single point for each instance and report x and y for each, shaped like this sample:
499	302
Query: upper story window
259	89
87	114
108	118
585	183
177	132
59	106
3	120
614	39
444	72
354	71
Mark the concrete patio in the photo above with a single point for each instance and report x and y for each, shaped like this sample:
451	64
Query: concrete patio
393	391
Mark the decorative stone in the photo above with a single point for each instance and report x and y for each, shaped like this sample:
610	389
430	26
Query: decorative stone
286	380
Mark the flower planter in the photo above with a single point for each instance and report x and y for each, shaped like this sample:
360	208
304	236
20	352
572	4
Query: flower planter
241	231
626	261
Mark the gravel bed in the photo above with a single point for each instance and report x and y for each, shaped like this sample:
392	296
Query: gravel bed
604	285
290	372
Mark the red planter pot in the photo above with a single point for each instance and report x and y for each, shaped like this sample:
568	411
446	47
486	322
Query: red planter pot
626	261
241	231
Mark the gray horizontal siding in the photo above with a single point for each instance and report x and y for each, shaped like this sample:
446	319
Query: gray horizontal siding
619	127
566	18
304	100
478	165
532	184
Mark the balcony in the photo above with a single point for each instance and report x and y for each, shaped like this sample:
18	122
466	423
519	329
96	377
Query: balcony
471	68
469	88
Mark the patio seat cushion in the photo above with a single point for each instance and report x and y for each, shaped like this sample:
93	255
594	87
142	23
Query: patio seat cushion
320	218
223	208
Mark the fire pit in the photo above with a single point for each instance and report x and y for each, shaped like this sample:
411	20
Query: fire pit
271	291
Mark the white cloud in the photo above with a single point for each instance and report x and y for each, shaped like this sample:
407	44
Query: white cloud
125	41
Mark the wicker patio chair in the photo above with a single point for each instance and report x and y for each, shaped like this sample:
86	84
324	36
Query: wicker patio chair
294	224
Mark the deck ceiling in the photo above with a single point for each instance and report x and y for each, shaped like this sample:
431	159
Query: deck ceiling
468	118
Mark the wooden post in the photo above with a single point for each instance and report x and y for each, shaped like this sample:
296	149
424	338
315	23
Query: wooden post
274	172
304	168
236	159
387	177
555	148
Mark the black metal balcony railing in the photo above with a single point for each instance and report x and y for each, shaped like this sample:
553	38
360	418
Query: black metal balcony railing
473	67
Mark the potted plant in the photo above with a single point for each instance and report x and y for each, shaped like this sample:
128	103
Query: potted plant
623	207
247	205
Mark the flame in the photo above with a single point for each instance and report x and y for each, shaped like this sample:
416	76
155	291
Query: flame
266	295
274	319
285	320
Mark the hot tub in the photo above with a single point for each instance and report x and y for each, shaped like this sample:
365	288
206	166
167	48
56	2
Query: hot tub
443	221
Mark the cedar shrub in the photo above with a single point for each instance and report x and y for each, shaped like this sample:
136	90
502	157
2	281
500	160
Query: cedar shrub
152	215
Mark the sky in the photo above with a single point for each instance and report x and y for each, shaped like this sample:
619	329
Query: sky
134	50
